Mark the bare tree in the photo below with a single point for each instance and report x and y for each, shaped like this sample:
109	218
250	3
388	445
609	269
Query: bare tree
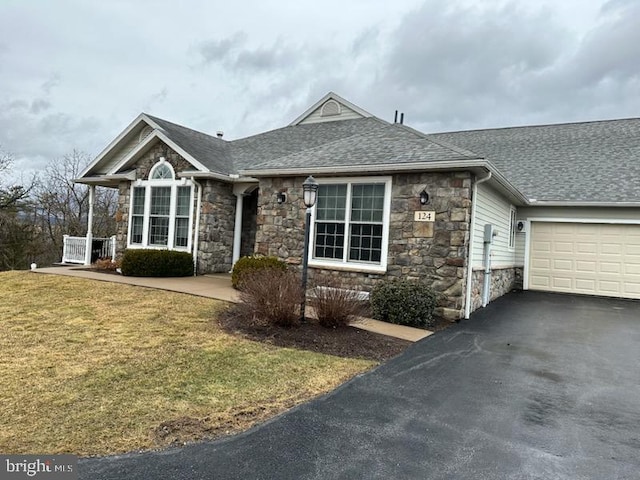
19	239
64	205
11	195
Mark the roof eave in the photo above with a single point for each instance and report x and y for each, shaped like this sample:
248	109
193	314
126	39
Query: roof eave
380	168
232	178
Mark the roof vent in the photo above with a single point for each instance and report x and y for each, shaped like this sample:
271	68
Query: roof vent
330	108
219	134
144	133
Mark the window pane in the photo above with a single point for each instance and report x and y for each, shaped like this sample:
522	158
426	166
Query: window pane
160	200
367	202
365	243
332	201
136	229
138	200
184	198
329	241
162	172
158	230
182	232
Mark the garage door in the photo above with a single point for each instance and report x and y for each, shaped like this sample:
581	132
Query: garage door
593	259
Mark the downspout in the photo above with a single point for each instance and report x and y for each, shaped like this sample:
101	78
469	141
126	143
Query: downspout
196	233
474	196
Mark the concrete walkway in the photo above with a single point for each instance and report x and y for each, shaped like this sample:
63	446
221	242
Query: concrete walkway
218	287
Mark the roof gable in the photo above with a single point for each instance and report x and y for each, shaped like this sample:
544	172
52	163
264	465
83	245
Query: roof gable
330	108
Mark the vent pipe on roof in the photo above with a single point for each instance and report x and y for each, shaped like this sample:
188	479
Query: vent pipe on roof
219	134
402	119
395	118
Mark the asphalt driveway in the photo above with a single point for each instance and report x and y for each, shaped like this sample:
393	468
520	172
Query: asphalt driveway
535	386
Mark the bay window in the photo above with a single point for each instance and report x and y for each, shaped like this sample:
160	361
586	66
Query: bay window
161	210
351	224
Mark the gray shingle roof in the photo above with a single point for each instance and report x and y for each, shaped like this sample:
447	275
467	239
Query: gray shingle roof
581	162
367	141
212	152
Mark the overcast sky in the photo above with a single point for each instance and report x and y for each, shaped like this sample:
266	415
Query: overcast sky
73	74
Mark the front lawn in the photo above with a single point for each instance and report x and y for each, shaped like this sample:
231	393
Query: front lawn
91	367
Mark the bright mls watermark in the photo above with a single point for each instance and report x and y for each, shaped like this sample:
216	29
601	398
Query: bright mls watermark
40	467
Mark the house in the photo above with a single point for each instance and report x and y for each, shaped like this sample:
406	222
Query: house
473	213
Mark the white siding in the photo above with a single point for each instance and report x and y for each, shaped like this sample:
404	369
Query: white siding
493	208
118	155
345	114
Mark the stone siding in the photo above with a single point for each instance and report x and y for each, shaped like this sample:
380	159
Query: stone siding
217	217
434	253
503	280
215	243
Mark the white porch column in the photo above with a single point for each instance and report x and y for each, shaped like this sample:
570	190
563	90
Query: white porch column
237	230
87	253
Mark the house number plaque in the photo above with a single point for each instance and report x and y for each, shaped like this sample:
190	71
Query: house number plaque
421	216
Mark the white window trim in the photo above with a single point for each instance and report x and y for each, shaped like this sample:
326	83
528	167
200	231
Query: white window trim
352	266
513	221
147	185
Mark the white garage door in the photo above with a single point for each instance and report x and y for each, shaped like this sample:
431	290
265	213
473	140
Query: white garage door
594	259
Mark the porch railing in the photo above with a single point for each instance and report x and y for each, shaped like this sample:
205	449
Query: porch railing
75	248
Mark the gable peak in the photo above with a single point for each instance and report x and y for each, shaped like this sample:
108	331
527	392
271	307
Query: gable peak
330	108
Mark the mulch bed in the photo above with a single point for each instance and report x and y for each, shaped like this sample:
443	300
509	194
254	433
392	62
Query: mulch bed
346	342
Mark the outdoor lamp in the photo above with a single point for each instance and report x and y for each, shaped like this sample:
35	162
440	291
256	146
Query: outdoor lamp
281	197
424	197
310	195
310	191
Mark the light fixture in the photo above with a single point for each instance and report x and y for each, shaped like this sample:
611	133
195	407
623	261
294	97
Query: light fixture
281	197
310	192
310	195
424	197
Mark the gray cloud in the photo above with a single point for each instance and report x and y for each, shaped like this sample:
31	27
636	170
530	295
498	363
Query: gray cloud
39	105
214	51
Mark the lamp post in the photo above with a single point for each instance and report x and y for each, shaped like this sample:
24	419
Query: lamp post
310	195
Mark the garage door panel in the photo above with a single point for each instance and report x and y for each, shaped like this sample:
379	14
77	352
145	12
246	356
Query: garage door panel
611	267
586	266
563	265
585	285
597	259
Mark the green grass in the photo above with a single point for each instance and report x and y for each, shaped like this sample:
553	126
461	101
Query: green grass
92	367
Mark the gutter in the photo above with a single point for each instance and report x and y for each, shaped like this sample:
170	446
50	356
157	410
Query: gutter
472	227
458	164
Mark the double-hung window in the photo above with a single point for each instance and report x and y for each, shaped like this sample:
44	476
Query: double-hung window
161	210
351	224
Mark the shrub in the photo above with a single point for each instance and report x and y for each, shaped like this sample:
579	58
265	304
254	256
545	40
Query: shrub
335	304
106	264
273	296
403	302
157	263
246	266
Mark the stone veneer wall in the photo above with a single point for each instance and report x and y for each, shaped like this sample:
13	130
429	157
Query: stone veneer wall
503	280
436	254
216	221
216	227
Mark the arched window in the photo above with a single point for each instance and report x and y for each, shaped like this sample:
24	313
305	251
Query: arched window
161	171
161	210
